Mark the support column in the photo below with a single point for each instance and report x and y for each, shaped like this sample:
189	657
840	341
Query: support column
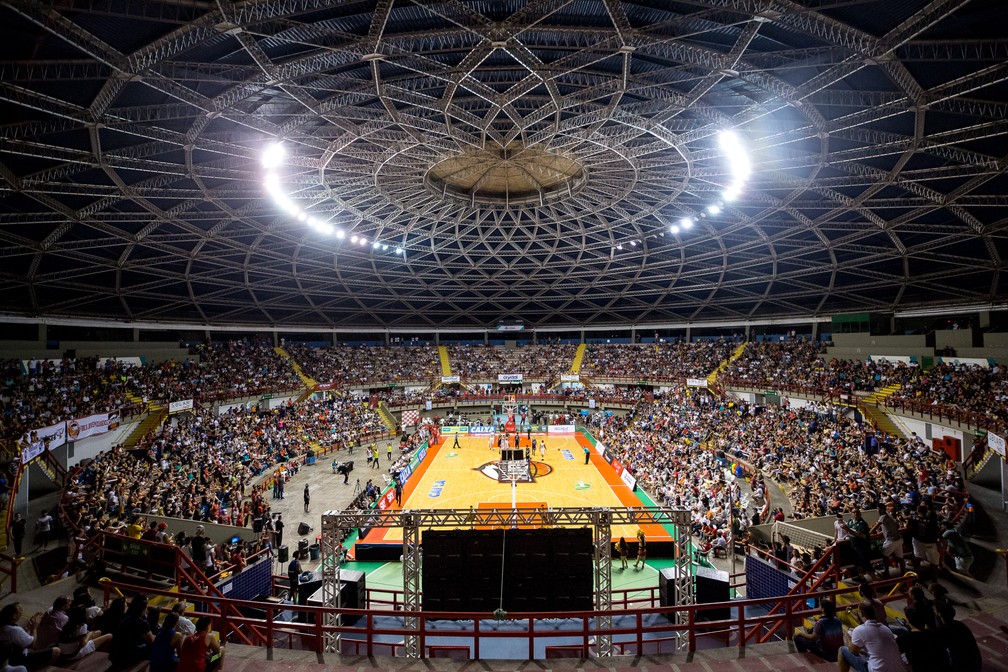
685	587
411	582
602	519
331	550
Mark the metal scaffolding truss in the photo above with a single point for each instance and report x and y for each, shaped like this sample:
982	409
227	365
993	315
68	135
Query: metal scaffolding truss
600	520
526	159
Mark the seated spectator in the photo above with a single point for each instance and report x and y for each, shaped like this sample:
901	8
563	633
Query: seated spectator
960	644
132	638
21	639
923	647
51	624
201	651
165	649
824	638
872	646
75	641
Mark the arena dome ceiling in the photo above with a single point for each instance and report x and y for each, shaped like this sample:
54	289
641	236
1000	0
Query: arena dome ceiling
531	160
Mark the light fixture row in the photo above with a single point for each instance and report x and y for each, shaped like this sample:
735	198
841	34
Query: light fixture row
739	166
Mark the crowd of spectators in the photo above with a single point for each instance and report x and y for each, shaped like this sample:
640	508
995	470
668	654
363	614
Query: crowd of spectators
363	365
662	361
976	389
532	361
202	465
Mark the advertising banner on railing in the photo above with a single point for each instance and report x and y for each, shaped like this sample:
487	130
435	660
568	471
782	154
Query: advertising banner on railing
561	429
36	441
539	429
696	382
600	447
617	466
892	359
509	377
481	429
180	406
451	379
92	425
970	361
591	403
570	378
629	479
996	443
455	429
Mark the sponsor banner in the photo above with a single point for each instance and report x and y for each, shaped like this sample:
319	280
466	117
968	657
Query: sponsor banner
421	454
180	406
451	379
37	440
428	405
696	382
617	466
479	429
509	377
92	425
325	386
450	429
591	403
894	359
539	429
387	499
996	443
570	378
404	473
971	361
600	447
128	361
629	479
561	429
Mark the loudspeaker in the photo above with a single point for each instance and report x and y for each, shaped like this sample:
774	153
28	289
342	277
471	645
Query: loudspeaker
712	586
667	587
303	529
283	554
353	593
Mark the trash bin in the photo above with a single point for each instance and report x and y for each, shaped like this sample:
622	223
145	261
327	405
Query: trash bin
283	554
315	551
302	548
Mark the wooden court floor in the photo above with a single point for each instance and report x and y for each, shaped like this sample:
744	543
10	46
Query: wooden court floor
455	478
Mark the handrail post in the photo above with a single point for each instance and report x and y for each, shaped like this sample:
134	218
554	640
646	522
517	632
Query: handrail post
531	638
788	620
476	639
691	635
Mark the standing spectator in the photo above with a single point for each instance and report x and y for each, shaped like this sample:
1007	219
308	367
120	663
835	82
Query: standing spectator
278	531
201	652
21	639
860	539
17	532
374	455
43	528
294	576
390	451
924	531
958	548
398	492
307	498
623	551
892	540
825	637
641	551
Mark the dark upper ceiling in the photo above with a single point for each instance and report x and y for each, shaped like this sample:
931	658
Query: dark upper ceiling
531	158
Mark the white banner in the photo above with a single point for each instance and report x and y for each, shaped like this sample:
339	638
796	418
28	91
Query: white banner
629	479
996	443
591	402
428	404
129	361
509	377
179	406
451	379
570	378
696	382
600	447
971	361
36	440
92	425
894	359
561	429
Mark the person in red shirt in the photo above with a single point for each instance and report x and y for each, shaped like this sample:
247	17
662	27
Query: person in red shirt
200	651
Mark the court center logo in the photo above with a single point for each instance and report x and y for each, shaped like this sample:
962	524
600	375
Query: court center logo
492	470
436	489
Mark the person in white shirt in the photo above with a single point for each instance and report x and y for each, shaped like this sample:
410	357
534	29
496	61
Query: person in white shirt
872	647
840	528
184	625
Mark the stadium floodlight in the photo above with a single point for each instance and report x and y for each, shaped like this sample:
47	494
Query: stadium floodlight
384	247
673	229
398	250
273	156
354	239
363	240
340	233
325	227
713	208
686	222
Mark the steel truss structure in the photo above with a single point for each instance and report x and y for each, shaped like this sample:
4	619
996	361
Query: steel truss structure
499	159
600	520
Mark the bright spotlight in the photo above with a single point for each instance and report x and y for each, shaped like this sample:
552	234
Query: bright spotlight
714	208
674	229
354	239
619	247
302	217
325	227
731	193
686	222
340	234
398	250
363	240
273	156
633	243
375	245
384	247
